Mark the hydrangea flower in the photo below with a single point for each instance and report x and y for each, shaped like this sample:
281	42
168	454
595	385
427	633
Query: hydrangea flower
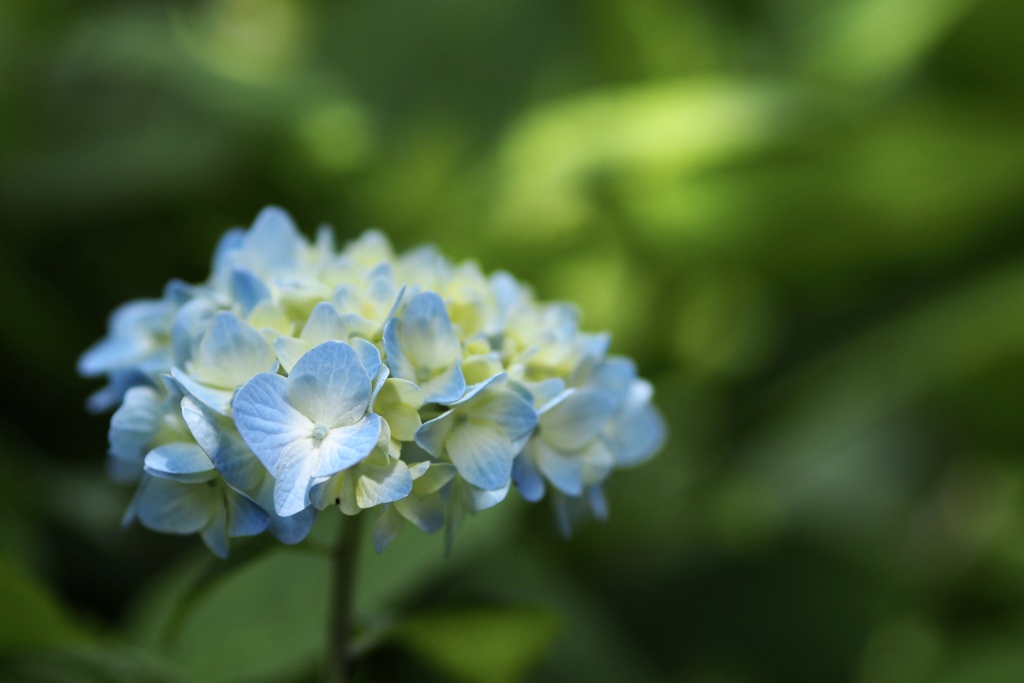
300	378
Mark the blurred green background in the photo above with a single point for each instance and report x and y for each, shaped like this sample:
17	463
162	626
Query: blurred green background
802	218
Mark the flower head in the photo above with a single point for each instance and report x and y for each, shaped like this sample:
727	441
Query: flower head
299	378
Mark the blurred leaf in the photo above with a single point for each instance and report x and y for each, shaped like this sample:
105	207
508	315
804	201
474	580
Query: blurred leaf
482	645
552	154
264	621
106	664
32	616
865	41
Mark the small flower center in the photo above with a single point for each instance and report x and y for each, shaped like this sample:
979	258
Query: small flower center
319	432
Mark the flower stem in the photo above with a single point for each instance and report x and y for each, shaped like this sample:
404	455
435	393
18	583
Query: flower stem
341	659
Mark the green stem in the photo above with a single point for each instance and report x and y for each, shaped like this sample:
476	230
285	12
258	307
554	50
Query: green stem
341	659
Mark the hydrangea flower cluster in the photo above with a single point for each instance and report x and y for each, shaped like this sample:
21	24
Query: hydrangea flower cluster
297	378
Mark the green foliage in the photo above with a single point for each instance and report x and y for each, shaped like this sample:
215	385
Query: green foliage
32	616
489	645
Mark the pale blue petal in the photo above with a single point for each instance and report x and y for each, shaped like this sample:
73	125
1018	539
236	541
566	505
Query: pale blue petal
289	530
217	436
432	477
180	461
134	425
543	392
123	471
368	354
358	326
482	453
639	434
175	508
491	383
445	388
527	478
230	353
400	365
426	333
293	529
386	528
132	512
324	324
563	470
378	382
267	421
378	485
329	385
134	328
109	354
332	491
273	243
478	500
425	511
346	445
119	382
245	518
508	410
563	513
598	502
178	292
187	330
614	375
575	418
294	476
247	289
325	239
227	247
217	399
598	461
289	350
432	434
215	535
592	348
418	469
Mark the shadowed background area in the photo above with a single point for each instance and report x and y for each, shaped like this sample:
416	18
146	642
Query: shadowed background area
803	220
